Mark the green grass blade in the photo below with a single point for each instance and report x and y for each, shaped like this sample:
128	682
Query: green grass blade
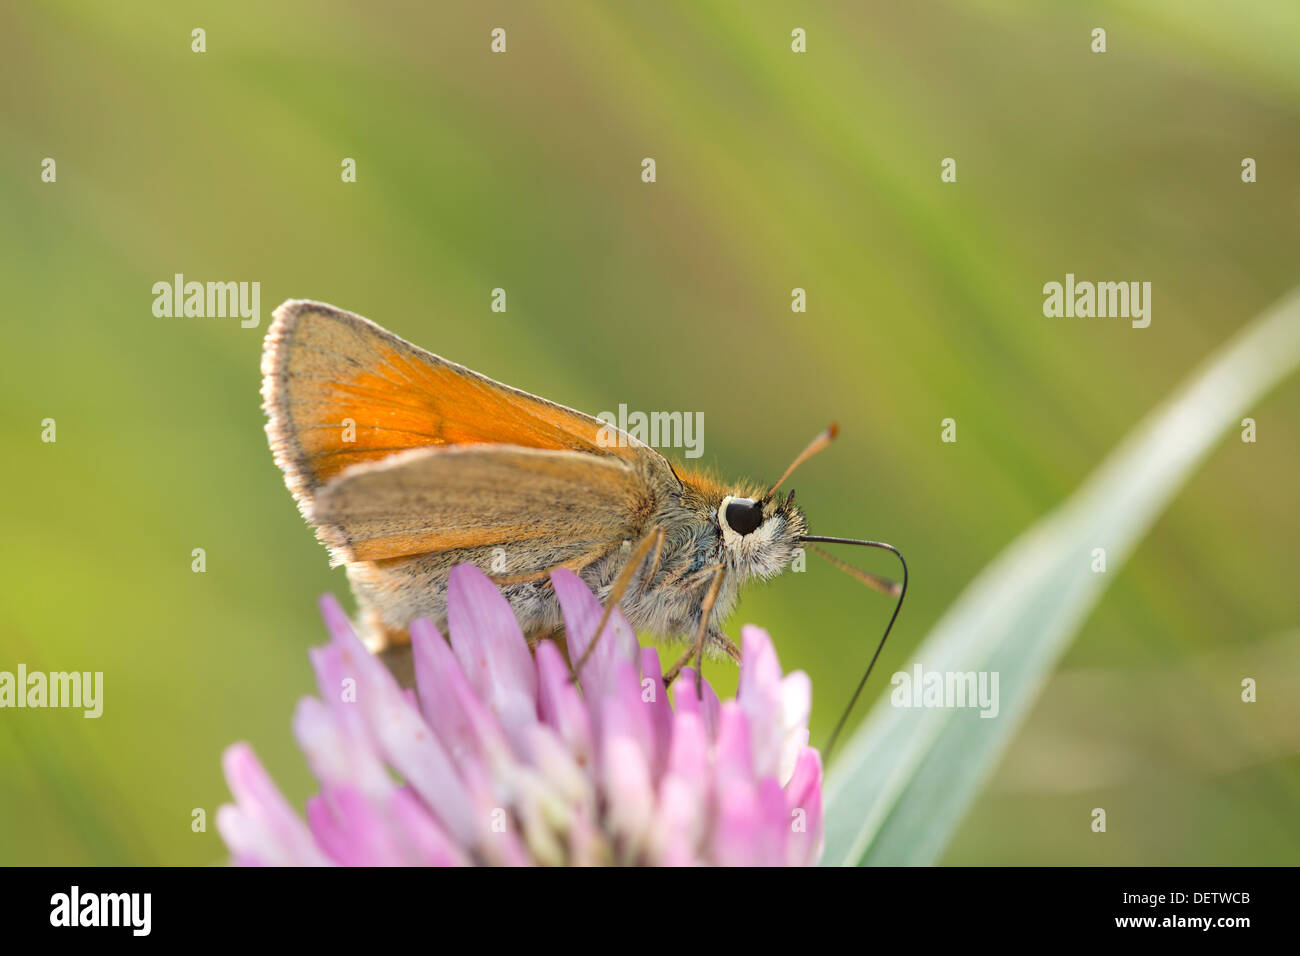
907	777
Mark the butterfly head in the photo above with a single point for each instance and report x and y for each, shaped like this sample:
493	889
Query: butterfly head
759	535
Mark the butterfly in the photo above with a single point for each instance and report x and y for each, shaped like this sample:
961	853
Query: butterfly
407	464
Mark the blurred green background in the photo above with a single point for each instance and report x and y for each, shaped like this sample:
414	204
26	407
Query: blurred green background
775	170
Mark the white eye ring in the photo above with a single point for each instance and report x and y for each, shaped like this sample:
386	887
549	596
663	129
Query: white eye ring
727	534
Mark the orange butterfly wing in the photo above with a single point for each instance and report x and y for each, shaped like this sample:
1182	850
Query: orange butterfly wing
341	392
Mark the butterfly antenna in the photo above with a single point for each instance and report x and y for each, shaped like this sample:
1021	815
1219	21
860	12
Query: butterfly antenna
817	444
883	585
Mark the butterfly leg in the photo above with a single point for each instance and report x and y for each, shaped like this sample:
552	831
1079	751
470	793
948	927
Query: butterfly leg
575	565
725	644
715	639
706	634
654	540
555	635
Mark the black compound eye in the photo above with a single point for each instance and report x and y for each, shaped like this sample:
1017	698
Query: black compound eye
744	515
